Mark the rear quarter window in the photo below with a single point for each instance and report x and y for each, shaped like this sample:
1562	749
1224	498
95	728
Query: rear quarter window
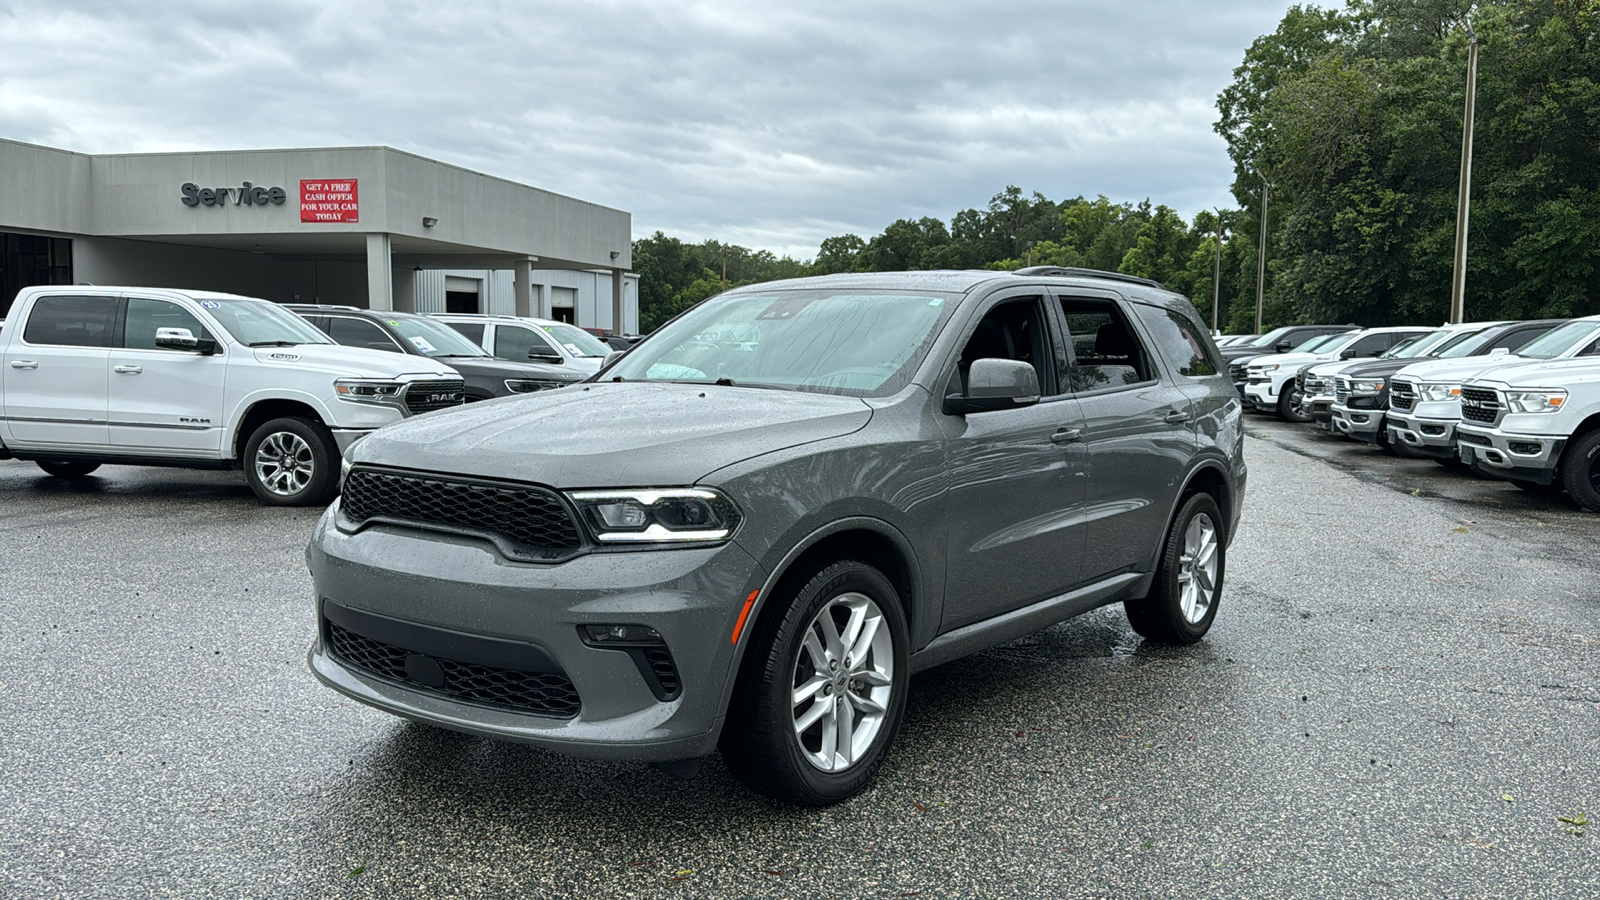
1180	342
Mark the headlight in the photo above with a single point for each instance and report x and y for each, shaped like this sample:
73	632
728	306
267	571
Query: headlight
1366	387
368	390
1535	401
1437	391
658	516
528	386
1273	367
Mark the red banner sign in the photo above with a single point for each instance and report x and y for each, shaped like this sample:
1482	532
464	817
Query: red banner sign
329	201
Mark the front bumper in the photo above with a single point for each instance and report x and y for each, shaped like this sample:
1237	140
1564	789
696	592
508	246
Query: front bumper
1320	407
1259	395
1424	436
1360	424
444	584
1525	457
345	437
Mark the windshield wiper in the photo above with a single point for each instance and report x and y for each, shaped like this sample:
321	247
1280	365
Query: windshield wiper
274	343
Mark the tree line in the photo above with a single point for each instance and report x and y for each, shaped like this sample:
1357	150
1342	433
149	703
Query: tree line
1352	118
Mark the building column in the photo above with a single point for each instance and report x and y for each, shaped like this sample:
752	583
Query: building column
522	286
619	306
380	275
404	288
544	302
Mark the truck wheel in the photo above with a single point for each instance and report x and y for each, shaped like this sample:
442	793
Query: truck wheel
1289	406
1182	602
292	462
66	468
823	690
1580	471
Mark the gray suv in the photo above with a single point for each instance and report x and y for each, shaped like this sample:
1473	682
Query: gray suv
749	531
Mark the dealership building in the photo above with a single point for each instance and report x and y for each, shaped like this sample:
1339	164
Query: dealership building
371	227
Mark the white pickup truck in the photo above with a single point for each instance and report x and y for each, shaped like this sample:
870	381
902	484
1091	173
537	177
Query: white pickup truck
1537	424
141	376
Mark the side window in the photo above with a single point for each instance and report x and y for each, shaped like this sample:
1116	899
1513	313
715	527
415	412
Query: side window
1513	340
145	316
1179	342
472	331
72	321
1013	329
1371	345
1106	352
516	342
354	332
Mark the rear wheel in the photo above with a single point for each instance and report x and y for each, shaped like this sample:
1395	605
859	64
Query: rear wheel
67	468
292	462
1182	602
1580	471
824	689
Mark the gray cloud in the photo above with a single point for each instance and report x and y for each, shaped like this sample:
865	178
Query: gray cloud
769	125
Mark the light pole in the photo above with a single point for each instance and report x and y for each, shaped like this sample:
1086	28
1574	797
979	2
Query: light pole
1261	257
1216	281
1458	279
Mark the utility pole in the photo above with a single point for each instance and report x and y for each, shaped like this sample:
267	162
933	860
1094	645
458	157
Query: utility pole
1458	280
1216	285
1261	257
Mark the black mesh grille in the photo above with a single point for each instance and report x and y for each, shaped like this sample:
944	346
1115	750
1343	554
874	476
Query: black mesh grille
1402	395
1480	405
529	522
427	396
544	693
1465	438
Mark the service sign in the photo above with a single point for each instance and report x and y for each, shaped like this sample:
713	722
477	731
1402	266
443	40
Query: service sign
329	201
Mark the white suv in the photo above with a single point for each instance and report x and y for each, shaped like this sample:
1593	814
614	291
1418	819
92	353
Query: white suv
194	379
523	339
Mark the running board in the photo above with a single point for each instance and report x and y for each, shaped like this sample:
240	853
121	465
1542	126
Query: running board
1009	626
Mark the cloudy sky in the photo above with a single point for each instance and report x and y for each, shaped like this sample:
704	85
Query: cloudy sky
772	125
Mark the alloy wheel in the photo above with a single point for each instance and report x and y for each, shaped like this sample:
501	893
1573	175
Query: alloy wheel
1197	568
843	679
284	463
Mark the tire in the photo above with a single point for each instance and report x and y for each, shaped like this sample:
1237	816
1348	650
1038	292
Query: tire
764	744
67	468
292	462
1453	463
1181	604
1580	470
1289	408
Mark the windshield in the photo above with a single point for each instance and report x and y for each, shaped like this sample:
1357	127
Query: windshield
576	341
1316	342
434	338
816	340
1579	335
1430	344
260	322
1401	350
1270	338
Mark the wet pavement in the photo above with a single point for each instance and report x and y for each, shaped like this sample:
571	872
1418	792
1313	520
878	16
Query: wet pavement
1401	696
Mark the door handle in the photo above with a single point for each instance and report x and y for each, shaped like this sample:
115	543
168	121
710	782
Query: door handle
24	364
1175	417
127	370
1067	436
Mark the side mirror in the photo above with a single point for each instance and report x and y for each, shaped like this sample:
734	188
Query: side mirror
611	357
1500	351
1283	346
536	355
996	384
1348	353
184	339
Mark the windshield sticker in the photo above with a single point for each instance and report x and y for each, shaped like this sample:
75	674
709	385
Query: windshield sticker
422	344
573	349
210	304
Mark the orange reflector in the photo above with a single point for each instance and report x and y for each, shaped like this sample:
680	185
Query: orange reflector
744	614
1557	401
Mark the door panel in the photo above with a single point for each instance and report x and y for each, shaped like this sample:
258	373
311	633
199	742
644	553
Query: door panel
1137	458
165	400
55	374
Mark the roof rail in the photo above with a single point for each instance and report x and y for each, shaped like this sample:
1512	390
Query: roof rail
1090	273
320	306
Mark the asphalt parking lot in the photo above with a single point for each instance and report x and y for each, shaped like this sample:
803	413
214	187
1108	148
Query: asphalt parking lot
1401	696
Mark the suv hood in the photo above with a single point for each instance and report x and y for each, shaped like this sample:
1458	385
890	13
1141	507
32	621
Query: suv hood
1336	367
1451	370
632	434
350	362
1558	373
494	367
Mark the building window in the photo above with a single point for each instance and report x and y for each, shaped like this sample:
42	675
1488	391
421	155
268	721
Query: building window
28	260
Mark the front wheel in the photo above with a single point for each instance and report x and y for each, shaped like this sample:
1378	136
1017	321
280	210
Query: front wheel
1290	405
1182	602
67	468
292	462
823	690
1580	470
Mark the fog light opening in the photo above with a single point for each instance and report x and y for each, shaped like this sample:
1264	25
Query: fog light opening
1525	448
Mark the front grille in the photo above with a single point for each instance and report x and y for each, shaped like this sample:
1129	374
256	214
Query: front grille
1402	395
1300	380
1317	386
427	396
544	693
527	523
1480	405
1236	371
1341	388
